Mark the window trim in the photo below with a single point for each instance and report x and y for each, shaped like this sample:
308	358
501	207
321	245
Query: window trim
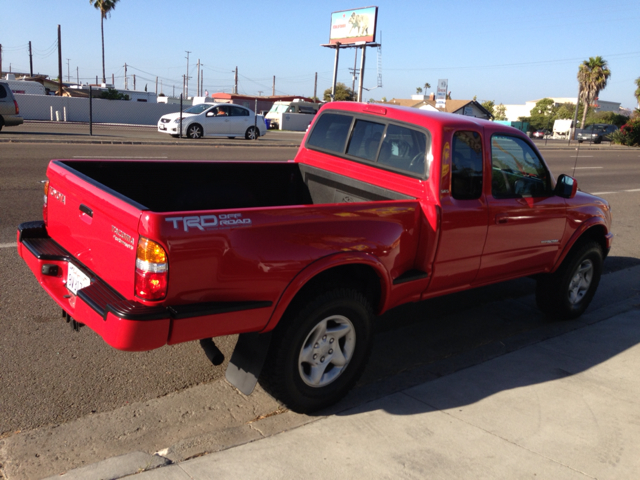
386	122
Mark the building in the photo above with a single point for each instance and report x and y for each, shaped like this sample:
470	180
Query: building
249	101
470	108
513	112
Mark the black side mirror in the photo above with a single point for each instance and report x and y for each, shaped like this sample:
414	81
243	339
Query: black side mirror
567	186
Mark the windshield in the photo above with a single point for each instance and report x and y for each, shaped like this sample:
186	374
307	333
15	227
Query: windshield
198	108
279	108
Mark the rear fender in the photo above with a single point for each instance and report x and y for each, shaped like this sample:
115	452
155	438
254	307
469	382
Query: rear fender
324	264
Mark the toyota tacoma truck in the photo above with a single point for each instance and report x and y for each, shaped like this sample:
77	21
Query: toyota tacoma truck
381	206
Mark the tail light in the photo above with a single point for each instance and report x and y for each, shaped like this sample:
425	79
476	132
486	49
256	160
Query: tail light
17	107
152	270
45	209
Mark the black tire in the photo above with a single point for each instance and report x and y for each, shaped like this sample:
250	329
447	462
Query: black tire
567	293
194	131
175	135
252	133
306	374
1	123
231	137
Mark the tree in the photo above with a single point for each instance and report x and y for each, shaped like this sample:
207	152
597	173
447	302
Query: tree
500	112
543	114
427	86
488	105
637	92
113	94
593	75
105	7
342	93
418	90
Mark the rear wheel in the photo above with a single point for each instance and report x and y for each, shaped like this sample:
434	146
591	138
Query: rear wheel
319	350
194	131
252	133
567	293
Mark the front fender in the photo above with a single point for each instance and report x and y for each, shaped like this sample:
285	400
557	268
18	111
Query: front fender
322	265
594	229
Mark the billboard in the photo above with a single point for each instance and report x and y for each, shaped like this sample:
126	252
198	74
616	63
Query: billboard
354	26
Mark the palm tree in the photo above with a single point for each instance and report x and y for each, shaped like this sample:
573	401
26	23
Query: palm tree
637	92
105	7
427	86
593	75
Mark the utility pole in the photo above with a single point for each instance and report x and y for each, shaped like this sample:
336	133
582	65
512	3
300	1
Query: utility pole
0	59
364	49
355	71
68	72
113	80
59	62
315	87
78	75
125	77
30	60
202	83
273	89
134	81
156	85
198	89
186	78
235	82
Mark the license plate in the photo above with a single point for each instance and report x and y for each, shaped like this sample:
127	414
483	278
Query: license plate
76	280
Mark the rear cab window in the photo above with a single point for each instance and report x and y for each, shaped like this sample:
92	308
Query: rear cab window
387	144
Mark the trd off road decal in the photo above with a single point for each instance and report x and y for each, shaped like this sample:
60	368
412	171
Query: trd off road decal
209	222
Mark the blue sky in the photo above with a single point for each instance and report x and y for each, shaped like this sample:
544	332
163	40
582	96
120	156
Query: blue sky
506	51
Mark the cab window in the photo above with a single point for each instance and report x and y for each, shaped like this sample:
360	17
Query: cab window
365	139
466	166
404	149
330	132
516	170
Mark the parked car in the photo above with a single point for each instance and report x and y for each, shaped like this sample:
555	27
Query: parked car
541	133
596	133
214	120
9	110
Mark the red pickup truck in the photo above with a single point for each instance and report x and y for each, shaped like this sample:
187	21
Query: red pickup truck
382	206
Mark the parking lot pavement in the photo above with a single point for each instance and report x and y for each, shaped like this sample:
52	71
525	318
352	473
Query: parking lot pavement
558	401
566	408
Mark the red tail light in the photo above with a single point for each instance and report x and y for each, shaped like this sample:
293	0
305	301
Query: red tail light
17	107
152	270
45	209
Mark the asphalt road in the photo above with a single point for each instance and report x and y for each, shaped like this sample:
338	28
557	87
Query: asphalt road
51	375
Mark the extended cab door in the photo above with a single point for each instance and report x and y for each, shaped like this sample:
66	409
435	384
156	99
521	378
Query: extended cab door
464	211
526	220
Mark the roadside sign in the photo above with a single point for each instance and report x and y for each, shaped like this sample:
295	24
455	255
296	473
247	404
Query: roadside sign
356	26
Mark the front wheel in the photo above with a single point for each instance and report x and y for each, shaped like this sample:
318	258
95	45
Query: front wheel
319	350
194	131
567	293
252	133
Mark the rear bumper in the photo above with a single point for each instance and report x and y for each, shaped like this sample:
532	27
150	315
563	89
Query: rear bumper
126	324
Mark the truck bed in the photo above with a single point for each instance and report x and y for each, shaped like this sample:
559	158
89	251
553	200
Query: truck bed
162	186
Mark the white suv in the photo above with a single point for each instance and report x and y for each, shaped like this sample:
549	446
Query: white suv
9	110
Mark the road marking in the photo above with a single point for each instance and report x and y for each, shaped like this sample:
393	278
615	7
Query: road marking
131	158
581	156
585	168
634	190
604	193
8	245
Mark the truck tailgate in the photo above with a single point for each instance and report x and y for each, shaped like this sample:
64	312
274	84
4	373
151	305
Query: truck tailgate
96	225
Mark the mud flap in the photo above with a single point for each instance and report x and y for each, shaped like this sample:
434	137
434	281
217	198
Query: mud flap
247	360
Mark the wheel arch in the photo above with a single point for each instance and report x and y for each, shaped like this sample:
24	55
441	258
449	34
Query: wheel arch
363	271
596	232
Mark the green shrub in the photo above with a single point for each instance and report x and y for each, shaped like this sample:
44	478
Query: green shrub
629	133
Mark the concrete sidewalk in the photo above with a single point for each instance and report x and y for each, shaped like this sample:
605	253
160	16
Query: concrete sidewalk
568	407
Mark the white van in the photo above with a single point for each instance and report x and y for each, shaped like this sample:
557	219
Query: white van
274	116
24	86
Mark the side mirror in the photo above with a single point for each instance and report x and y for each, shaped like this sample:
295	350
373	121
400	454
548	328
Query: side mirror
567	186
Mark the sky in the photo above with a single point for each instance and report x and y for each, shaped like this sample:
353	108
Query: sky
506	51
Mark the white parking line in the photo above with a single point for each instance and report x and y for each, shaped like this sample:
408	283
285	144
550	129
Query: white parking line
585	168
634	190
8	245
